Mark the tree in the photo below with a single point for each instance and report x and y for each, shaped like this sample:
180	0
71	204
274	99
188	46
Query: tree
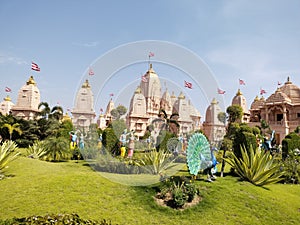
57	149
222	117
57	112
118	112
44	110
12	128
235	113
168	124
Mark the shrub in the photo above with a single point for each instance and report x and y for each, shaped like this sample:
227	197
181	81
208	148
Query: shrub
177	191
8	153
256	166
37	150
156	162
71	219
292	167
57	149
289	143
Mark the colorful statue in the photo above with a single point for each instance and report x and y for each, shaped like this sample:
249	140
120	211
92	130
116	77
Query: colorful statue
131	144
200	156
267	143
100	142
73	138
198	153
81	141
123	141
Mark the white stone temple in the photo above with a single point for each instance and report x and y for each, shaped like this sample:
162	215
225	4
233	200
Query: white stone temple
83	113
6	106
147	100
28	101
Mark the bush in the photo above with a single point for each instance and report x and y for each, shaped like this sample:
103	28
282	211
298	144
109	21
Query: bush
256	166
37	150
110	141
71	219
177	191
292	167
289	143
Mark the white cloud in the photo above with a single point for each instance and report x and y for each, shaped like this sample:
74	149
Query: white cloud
8	58
87	45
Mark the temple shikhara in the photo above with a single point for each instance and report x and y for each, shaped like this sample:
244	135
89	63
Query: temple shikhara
28	101
281	110
147	100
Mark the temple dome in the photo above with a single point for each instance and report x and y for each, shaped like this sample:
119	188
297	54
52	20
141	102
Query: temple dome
6	105
239	99
291	90
257	103
278	97
212	111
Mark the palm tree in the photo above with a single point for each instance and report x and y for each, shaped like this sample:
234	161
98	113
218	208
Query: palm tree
57	149
12	128
45	110
57	112
168	123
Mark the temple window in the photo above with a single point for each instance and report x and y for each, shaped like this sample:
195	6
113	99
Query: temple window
298	115
279	117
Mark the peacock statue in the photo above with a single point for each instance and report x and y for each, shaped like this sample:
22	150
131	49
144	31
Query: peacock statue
198	153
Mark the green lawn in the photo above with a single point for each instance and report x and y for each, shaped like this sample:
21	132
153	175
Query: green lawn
36	188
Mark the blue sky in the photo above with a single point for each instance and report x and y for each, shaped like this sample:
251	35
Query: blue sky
257	41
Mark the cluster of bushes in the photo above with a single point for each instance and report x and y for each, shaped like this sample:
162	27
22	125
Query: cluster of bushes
177	191
52	219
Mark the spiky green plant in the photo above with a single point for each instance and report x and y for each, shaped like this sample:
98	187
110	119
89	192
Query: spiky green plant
156	162
37	150
8	153
256	166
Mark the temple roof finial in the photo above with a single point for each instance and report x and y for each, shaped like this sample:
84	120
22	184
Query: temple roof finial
31	81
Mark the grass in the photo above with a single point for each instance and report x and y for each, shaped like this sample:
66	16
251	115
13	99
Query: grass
35	187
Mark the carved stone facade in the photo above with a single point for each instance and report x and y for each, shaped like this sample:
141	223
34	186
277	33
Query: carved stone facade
147	101
281	110
28	101
83	113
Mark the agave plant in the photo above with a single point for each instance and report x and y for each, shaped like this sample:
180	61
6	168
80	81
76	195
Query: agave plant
37	150
8	153
156	162
256	166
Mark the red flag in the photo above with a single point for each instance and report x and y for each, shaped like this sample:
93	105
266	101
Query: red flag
242	82
91	72
262	91
151	54
188	84
221	92
7	89
144	78
278	83
101	110
35	66
111	94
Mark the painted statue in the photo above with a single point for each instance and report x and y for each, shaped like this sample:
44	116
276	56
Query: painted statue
131	144
73	138
267	143
123	141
